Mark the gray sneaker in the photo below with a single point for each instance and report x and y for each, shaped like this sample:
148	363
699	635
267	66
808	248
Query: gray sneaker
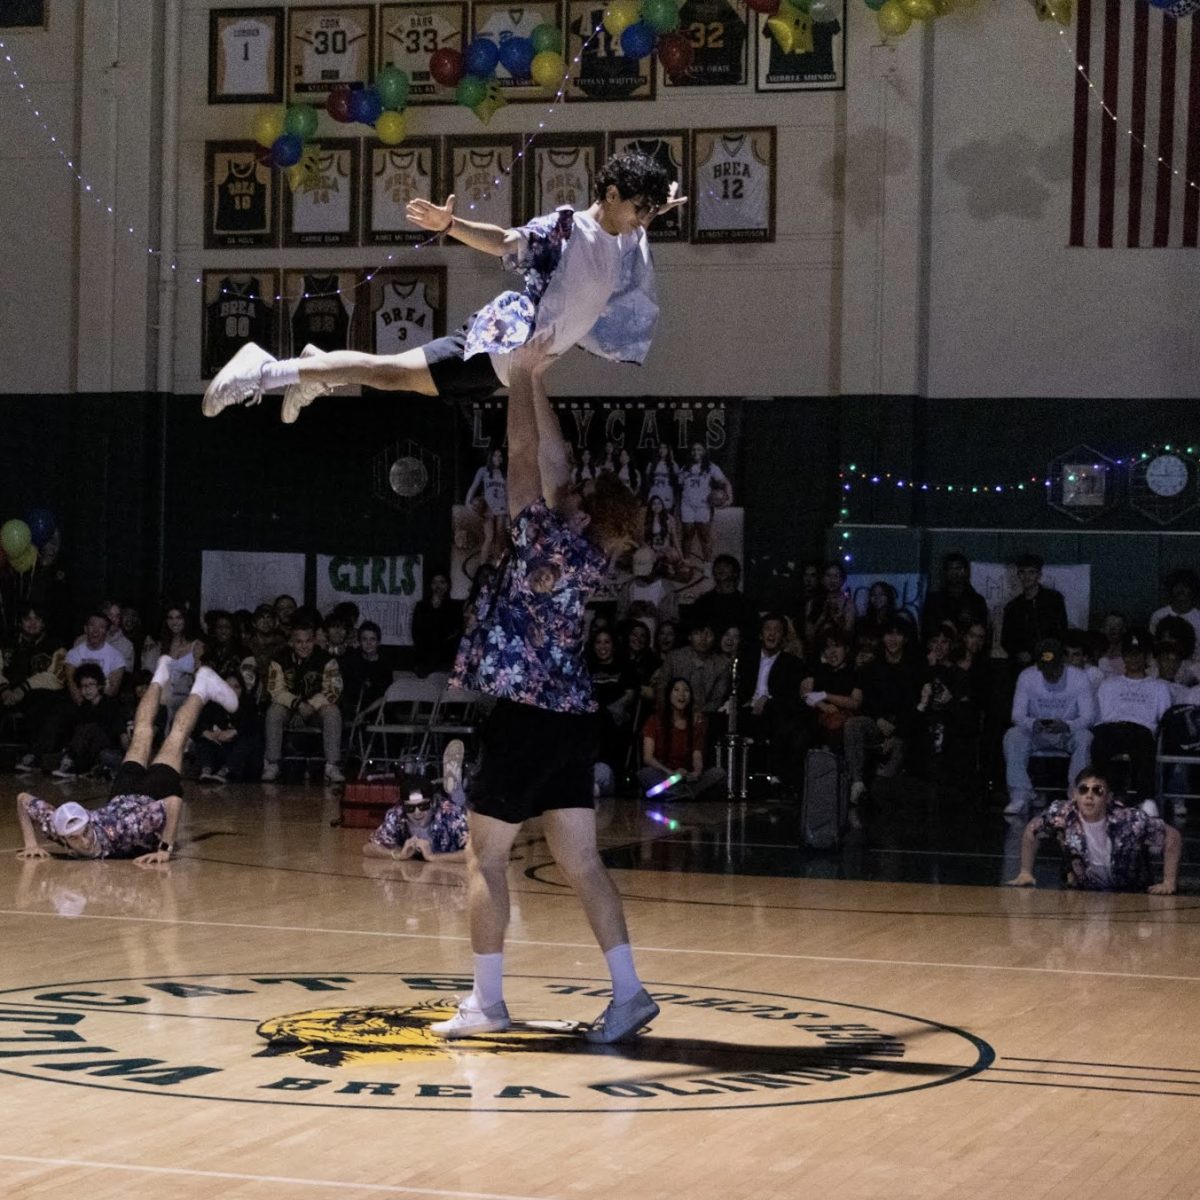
334	773
270	772
300	395
619	1021
470	1020
237	381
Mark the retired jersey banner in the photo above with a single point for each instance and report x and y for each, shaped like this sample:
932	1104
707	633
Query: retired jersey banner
384	586
233	579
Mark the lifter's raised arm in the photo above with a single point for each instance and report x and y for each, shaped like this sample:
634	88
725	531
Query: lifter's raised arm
441	218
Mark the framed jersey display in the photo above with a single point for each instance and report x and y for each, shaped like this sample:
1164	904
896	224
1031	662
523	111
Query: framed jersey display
240	203
322	208
561	169
732	196
481	172
403	308
245	55
599	69
410	33
318	308
498	22
668	148
328	46
720	37
819	68
392	176
23	14
239	307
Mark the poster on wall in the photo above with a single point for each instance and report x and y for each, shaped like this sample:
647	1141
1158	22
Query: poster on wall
720	37
733	185
600	69
238	308
245	55
410	33
384	586
561	169
240	202
816	59
233	579
668	148
392	176
323	209
500	22
403	308
481	172
319	308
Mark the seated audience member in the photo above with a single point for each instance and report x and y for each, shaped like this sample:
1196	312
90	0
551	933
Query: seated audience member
430	820
865	651
831	689
178	640
1168	667
348	613
229	746
93	727
285	607
891	685
832	609
730	642
724	604
1179	634
1077	645
366	672
706	670
946	714
1034	614
955	600
93	647
973	658
810	587
770	709
883	607
437	627
673	743
615	687
222	650
116	635
136	632
1105	847
304	685
337	636
266	641
647	595
145	801
1111	659
33	676
1183	589
641	660
1053	709
1131	706
666	638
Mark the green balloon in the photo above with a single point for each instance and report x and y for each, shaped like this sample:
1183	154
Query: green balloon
547	37
392	85
301	120
15	538
875	5
660	15
471	91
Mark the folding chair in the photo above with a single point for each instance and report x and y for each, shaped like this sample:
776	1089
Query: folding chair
456	716
404	712
1044	790
1174	759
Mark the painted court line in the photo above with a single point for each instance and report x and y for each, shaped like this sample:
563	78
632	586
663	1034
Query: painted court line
344	1185
441	937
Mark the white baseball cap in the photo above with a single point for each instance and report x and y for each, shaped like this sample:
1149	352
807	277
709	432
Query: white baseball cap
71	819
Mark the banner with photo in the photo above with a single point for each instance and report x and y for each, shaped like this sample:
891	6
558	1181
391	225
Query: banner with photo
385	587
233	579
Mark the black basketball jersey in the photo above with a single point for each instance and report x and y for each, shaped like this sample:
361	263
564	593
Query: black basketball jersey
815	66
238	315
669	224
605	73
241	200
320	317
717	32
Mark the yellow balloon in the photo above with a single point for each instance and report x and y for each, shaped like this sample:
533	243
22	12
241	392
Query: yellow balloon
893	20
620	15
920	10
548	69
26	561
791	28
391	128
268	125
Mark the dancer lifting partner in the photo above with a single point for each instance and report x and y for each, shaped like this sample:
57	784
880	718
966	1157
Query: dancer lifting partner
589	281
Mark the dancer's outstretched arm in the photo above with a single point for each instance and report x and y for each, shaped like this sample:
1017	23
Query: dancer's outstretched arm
441	218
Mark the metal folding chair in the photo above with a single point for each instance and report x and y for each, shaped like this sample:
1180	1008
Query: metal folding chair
404	713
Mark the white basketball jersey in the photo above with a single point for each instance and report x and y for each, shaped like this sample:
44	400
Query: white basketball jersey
564	177
404	318
247	46
334	49
322	202
509	23
400	176
734	186
478	196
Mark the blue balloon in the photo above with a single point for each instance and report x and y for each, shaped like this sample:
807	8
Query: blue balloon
481	57
41	524
516	55
637	40
287	150
366	105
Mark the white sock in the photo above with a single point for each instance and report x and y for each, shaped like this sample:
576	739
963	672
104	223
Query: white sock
162	671
278	375
625	981
489	979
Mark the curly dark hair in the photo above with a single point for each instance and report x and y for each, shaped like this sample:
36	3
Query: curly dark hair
633	174
614	510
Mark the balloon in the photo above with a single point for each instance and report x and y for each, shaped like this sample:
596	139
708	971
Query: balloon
481	57
268	125
41	524
392	85
893	20
767	7
620	15
365	106
338	104
547	39
791	28
446	66
637	41
491	104
823	11
26	561
391	128
471	91
660	15
675	52
15	538
919	10
516	53
301	120
874	5
287	150
548	69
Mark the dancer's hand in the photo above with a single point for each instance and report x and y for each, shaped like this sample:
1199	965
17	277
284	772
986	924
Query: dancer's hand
1162	889
437	218
33	852
674	200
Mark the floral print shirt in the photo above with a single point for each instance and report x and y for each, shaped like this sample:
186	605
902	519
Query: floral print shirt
446	831
1132	835
126	826
528	641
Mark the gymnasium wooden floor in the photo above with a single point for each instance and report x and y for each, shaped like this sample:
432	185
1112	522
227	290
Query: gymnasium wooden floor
249	1022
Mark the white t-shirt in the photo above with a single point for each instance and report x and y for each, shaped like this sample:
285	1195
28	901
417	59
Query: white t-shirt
1070	699
1142	701
1099	850
1192	617
106	658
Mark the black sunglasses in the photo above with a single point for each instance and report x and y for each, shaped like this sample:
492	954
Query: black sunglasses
1096	789
420	807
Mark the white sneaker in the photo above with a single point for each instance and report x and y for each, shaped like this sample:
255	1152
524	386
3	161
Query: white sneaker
334	774
619	1021
300	395
471	1020
162	671
858	790
210	686
238	380
1018	806
452	766
270	772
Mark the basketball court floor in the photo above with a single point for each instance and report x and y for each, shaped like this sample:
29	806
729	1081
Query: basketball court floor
249	1022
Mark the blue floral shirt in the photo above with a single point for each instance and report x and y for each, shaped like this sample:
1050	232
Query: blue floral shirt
622	332
124	827
528	641
446	831
1132	836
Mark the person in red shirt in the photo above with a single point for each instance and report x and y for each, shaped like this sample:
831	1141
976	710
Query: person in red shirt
673	743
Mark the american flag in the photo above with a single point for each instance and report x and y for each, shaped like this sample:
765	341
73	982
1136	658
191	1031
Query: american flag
1135	173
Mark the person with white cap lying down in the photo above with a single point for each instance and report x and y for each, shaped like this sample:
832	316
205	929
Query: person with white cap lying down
146	797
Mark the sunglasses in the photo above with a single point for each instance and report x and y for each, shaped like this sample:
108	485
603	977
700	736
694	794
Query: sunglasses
1092	789
421	807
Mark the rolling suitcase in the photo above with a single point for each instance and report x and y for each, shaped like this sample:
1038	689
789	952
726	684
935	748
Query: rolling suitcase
826	800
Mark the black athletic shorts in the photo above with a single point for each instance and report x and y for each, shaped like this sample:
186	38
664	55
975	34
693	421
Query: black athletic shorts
534	760
456	377
156	781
